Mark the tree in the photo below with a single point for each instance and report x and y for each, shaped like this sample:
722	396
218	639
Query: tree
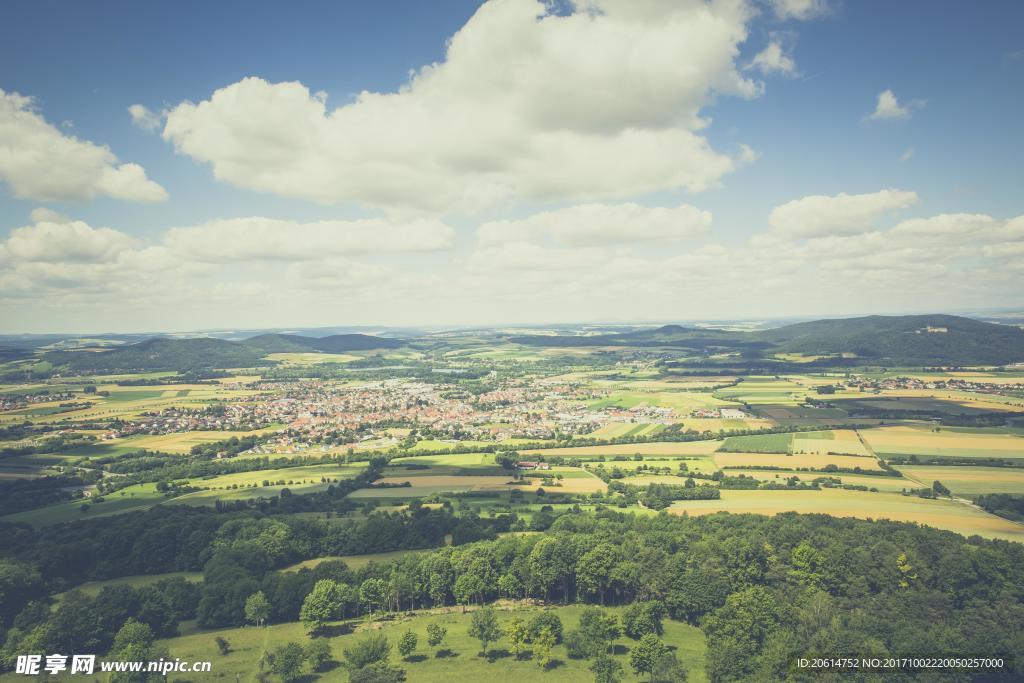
598	629
906	571
370	650
323	604
257	608
374	593
318	653
668	669
223	646
641	618
435	634
543	643
548	620
646	654
287	660
379	672
606	669
407	644
484	627
940	489
517	634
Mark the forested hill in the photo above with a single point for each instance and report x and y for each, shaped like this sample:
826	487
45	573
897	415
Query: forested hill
905	339
182	355
336	343
894	340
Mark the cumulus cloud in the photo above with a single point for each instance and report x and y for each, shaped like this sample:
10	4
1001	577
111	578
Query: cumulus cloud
54	239
842	214
144	118
800	9
600	224
602	103
888	107
256	238
38	161
773	60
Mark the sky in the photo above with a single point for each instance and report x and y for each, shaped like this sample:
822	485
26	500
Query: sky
193	165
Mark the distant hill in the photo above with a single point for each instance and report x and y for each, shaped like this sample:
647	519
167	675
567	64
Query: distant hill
160	354
894	340
904	339
336	343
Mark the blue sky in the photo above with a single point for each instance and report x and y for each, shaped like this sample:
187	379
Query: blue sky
260	208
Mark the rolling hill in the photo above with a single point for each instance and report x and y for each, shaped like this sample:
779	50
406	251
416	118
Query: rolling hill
335	343
159	354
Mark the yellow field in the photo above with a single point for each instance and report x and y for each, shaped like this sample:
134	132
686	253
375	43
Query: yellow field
891	484
941	514
430	484
656	448
793	461
181	442
311	358
693	463
968	480
913	440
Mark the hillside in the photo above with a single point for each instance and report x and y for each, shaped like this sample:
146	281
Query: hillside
906	339
181	355
336	343
896	340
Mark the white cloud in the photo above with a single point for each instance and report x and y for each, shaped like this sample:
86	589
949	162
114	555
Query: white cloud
603	103
600	224
256	238
800	9
908	154
888	107
144	118
773	60
51	239
37	161
842	214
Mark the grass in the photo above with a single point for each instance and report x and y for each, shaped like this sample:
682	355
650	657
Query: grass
356	561
92	588
968	480
941	514
137	497
464	664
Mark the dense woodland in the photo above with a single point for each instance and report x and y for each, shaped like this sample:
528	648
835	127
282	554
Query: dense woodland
764	590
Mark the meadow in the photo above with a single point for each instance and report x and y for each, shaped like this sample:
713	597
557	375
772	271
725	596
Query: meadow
247	645
905	440
131	498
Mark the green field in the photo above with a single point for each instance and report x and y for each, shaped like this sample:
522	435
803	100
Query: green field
758	443
248	645
355	561
137	497
248	485
92	588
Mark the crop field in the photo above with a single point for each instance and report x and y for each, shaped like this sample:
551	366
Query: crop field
758	443
756	391
968	480
617	429
941	514
131	498
476	462
693	464
181	442
432	484
645	449
730	459
681	402
464	664
889	484
841	441
960	443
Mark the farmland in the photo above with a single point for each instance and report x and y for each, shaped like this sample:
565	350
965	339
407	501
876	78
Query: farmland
462	456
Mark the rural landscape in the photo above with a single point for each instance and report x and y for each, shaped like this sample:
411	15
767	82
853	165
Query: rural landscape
511	341
579	503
